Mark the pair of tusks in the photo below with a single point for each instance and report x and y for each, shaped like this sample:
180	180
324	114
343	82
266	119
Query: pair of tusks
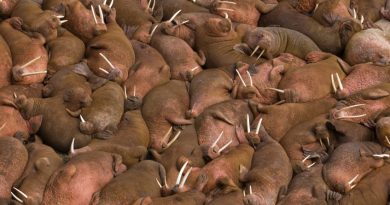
154	4
306	158
354	15
250	191
327	141
242	80
255	50
352	181
179	181
108	62
387	140
111	4
226	9
125	91
223	147
166	138
100	14
350	116
341	87
61	17
21	193
32	73
170	20
248	126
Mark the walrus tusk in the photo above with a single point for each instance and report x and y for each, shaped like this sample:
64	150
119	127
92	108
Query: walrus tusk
166	136
227	2
174	16
354	13
184	22
20	192
34	73
353	179
381	155
242	80
153	30
250	189
258	126
178	179
195	68
111	4
59	16
333	83
311	165
104	2
154	4
352	106
63	21
387	139
254	51
82	119
19	200
106	59
104	70
31	62
275	89
216	141
306	158
351	116
316	7
72	146
339	82
361	19
134	90
250	78
15	96
261	54
173	140
101	14
225	146
94	14
125	91
159	184
248	126
185	178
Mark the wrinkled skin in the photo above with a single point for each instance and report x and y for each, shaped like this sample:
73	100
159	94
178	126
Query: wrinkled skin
226	179
180	30
172	6
13	159
332	11
209	87
346	131
371	45
105	112
304	6
306	188
276	40
229	117
7	6
328	39
137	18
304	140
24	48
312	81
164	107
267	179
185	148
42	163
370	10
217	39
136	182
5	63
361	77
244	11
265	75
382	128
182	60
231	198
37	20
373	189
116	47
69	184
53	112
293	114
132	147
185	198
80	21
350	160
73	87
7	93
374	99
65	50
149	65
12	124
